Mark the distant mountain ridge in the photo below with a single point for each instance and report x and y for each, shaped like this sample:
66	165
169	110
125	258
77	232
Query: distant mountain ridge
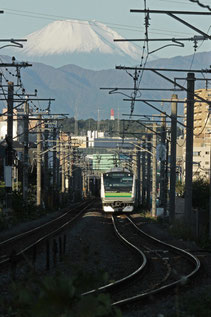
77	90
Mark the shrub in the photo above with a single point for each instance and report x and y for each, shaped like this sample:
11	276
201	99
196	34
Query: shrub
200	193
180	189
57	296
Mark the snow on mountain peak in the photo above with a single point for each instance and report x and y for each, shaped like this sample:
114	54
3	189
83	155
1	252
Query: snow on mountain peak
74	36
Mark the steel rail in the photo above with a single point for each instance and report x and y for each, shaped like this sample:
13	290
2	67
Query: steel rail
22	234
128	277
44	237
181	281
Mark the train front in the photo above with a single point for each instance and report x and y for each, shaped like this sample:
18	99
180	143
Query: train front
117	191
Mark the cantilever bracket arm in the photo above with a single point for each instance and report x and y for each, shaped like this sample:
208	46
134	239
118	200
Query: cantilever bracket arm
189	25
175	43
14	42
113	91
183	88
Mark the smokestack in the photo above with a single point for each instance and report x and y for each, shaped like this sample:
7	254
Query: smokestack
112	114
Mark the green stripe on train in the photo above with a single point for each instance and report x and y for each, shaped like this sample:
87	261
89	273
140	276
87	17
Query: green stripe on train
118	195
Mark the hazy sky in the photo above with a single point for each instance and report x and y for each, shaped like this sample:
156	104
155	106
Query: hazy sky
26	16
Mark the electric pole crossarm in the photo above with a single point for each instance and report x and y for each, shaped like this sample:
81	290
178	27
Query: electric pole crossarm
114	90
165	69
194	38
168	12
31	99
153	100
13	40
146	116
22	64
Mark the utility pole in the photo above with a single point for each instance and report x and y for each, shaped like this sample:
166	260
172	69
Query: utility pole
148	170
162	163
166	182
154	172
69	167
25	151
173	157
39	160
118	122
98	120
46	171
210	197
15	176
58	157
9	149
63	164
66	172
143	172
54	159
189	147
76	125
138	171
71	170
54	186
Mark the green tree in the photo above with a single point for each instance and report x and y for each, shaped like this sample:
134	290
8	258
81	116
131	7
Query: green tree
200	193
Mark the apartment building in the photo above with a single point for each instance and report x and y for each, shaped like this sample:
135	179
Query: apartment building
201	135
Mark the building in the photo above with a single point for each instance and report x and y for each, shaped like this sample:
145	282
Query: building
201	135
18	134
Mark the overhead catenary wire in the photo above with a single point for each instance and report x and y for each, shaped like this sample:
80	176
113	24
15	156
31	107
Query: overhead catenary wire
203	126
80	21
201	4
138	75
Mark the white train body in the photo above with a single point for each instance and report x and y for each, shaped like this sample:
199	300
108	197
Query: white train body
118	190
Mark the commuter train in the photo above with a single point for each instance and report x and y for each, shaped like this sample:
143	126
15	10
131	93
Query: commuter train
118	190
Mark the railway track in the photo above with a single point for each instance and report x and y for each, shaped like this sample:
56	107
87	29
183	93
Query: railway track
170	267
163	266
16	247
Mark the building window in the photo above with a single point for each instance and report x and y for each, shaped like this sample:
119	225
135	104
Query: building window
196	153
206	163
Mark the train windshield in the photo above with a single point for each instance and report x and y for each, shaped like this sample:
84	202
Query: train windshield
119	182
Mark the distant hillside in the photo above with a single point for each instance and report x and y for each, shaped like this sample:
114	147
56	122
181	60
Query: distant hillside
77	90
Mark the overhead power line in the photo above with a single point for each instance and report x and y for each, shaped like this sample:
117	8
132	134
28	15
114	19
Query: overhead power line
80	21
201	4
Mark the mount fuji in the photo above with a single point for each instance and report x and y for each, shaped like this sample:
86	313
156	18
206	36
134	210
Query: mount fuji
88	44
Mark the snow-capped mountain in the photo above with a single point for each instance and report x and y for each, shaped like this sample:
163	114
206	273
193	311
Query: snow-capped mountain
84	43
70	36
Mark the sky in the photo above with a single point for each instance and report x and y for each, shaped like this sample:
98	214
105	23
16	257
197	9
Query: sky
23	17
